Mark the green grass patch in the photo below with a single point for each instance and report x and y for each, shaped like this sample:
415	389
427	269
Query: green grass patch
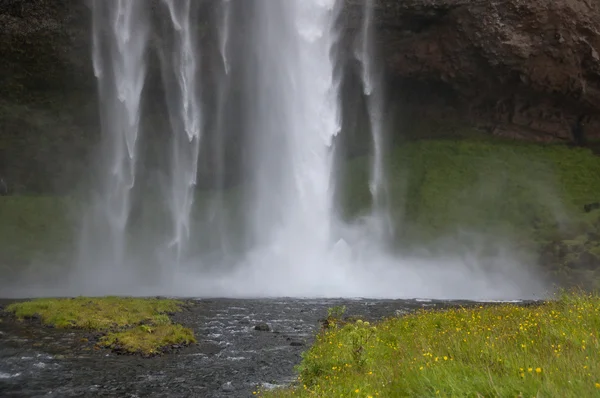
516	189
549	350
133	325
148	339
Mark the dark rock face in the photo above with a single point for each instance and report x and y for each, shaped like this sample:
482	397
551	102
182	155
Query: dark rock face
529	69
262	327
525	69
47	115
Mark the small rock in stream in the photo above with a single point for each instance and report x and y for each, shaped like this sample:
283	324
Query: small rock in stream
262	327
228	387
296	343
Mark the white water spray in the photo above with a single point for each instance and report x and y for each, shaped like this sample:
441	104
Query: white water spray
296	117
186	120
224	33
372	89
120	35
218	216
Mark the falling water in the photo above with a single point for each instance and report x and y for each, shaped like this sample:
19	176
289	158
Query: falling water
372	89
120	35
185	117
218	215
275	91
224	33
294	118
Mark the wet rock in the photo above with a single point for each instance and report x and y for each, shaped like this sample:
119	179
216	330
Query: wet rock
525	69
228	387
262	327
297	343
209	348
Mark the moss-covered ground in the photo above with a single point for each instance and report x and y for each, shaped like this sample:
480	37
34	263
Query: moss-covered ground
474	192
546	350
131	325
439	185
34	227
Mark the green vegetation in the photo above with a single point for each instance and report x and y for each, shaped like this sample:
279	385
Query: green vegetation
438	186
132	325
35	230
486	195
148	339
547	350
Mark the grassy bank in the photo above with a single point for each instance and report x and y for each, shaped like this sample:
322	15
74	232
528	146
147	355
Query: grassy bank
437	186
549	350
129	325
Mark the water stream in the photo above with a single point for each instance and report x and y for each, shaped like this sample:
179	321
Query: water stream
231	359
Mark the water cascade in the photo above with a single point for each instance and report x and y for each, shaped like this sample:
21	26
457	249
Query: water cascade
293	118
185	117
258	84
120	36
217	213
372	89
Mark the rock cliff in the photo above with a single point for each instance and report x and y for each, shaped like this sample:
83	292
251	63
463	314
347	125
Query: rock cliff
528	69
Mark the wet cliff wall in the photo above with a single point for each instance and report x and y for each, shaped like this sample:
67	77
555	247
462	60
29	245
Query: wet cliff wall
521	68
526	69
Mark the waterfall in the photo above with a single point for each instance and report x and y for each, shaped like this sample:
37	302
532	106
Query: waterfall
119	36
372	89
250	88
294	117
185	117
217	213
224	33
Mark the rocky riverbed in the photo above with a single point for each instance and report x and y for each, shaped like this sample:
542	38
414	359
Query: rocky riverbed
242	345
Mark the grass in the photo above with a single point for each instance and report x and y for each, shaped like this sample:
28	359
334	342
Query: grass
549	350
452	196
148	339
439	186
132	325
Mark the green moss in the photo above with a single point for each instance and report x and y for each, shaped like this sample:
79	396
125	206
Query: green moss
148	340
501	351
34	227
501	187
133	325
95	313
